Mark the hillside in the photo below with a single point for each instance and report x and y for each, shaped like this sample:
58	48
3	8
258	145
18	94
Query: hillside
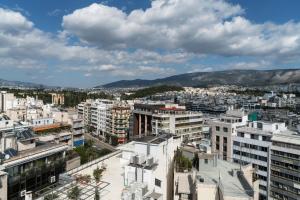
230	77
152	91
6	83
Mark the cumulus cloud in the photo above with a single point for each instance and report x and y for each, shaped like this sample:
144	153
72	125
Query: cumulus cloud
196	26
25	47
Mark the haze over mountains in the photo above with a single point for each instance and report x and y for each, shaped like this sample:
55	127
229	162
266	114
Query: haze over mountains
230	77
6	83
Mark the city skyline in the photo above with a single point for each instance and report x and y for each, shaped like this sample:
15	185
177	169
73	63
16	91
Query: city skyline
89	43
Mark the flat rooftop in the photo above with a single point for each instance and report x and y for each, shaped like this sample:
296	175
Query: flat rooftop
153	139
254	131
288	137
45	148
232	186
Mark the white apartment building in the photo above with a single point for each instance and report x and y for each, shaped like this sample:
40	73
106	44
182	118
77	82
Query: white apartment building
223	130
101	116
150	166
6	101
252	145
178	121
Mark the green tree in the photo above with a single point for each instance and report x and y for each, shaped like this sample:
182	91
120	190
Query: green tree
74	193
97	173
50	196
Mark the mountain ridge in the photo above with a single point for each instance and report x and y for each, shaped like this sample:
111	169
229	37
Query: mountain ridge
226	77
8	83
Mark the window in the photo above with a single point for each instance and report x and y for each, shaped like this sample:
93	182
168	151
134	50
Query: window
253	136
157	182
225	129
259	125
241	134
225	140
218	138
206	161
217	128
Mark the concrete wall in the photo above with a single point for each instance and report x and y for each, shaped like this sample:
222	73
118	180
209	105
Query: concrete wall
73	163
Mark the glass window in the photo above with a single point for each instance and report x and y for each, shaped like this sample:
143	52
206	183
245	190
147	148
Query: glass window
157	182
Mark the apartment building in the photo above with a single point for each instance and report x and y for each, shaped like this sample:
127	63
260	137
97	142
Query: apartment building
142	117
27	165
6	101
101	116
224	129
158	117
285	166
252	145
107	119
178	121
84	112
148	174
120	118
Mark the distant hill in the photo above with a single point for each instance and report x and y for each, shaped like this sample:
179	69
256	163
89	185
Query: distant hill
229	77
6	83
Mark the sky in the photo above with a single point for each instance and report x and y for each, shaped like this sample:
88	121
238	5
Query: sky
85	43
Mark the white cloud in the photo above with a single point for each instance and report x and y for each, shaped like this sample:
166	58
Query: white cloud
195	26
25	47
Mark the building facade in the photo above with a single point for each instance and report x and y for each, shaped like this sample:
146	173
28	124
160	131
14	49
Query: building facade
223	130
285	166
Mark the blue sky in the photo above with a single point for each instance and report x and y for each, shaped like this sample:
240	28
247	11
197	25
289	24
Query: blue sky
84	43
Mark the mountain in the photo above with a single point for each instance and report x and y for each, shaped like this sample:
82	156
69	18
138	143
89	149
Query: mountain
6	83
229	77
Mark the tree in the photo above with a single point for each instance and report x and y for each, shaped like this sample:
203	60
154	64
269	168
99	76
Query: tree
74	193
50	196
97	173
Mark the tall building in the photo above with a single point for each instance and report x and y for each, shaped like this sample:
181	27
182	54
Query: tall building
252	145
120	117
84	112
285	166
101	116
223	130
106	118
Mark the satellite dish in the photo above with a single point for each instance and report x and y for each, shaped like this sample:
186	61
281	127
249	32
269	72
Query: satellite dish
7	156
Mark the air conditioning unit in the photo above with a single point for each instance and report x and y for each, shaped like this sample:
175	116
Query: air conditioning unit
52	179
23	193
140	160
150	161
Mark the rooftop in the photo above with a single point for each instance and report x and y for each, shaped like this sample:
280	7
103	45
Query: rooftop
289	137
254	131
231	185
45	148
